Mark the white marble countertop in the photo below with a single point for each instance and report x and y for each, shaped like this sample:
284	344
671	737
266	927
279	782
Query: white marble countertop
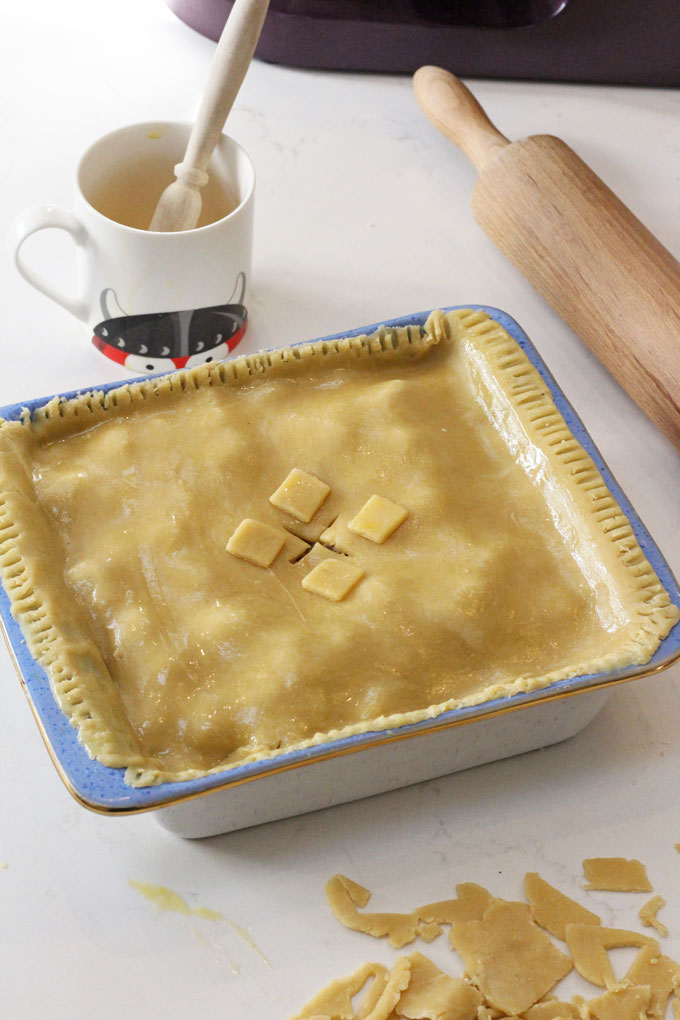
362	214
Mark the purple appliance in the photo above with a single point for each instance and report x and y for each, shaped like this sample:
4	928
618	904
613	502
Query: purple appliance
626	42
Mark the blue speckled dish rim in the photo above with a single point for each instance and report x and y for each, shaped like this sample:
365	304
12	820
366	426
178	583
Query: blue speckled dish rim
103	789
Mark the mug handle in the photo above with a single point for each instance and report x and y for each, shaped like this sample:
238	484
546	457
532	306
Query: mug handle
45	217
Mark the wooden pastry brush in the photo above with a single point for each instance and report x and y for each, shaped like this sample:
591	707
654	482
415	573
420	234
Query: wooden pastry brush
601	270
179	206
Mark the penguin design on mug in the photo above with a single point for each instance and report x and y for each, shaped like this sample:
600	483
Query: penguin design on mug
165	341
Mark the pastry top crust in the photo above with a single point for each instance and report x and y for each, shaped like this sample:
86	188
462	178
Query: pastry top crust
514	566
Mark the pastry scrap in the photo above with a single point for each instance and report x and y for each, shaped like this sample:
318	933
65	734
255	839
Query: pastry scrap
398	980
335	1000
344	896
510	963
415	989
551	909
378	519
374	994
621	1003
469	905
651	967
433	995
647	914
508	957
588	945
616	874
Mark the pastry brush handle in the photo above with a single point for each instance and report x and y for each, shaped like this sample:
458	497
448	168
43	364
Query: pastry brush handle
230	63
452	108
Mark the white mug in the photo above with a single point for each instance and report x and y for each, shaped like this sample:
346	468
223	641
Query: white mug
153	301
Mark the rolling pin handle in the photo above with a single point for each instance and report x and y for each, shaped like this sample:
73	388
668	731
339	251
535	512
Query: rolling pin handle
452	108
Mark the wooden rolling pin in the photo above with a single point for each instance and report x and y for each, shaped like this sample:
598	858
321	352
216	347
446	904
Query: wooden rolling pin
601	270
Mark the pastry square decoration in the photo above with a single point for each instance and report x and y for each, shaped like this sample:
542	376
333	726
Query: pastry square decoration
256	542
332	578
174	658
300	495
378	519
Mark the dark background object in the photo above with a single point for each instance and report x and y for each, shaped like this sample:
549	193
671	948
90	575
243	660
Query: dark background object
625	42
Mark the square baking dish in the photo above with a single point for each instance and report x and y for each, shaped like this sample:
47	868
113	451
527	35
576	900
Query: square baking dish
361	764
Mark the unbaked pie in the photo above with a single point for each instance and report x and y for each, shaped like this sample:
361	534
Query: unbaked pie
454	544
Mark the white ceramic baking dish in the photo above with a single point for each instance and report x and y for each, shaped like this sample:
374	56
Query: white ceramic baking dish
357	766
